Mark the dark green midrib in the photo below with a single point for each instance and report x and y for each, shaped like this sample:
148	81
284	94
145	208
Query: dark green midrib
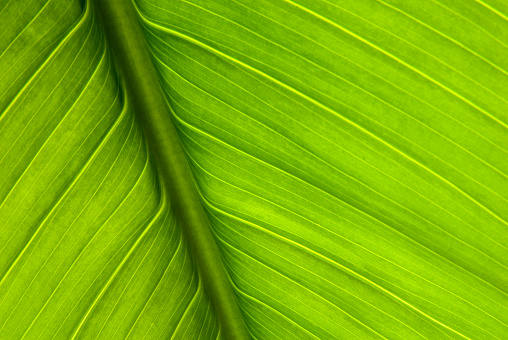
137	71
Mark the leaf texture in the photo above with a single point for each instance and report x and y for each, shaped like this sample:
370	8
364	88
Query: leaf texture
90	247
351	157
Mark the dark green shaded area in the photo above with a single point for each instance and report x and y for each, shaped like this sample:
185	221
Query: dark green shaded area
139	76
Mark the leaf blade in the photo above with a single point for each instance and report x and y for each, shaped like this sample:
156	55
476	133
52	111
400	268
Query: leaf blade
307	136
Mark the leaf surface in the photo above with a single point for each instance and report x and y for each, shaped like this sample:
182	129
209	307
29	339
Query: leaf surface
351	158
90	247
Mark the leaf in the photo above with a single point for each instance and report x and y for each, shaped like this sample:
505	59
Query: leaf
90	245
351	158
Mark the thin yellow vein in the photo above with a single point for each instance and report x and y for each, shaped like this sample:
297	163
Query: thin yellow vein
318	226
171	232
347	270
28	49
339	55
160	259
202	328
471	22
492	9
271	268
184	263
283	171
77	83
215	325
75	260
90	133
215	207
60	146
120	266
196	299
28	25
181	248
361	113
400	61
343	9
257	301
259	324
75	180
304	149
6	5
145	201
324	107
29	243
159	280
50	58
338	217
91	223
437	32
338	146
307	284
351	206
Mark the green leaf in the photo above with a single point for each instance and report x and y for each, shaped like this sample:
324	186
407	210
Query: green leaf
350	157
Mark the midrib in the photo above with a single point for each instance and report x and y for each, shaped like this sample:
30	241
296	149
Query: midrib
142	86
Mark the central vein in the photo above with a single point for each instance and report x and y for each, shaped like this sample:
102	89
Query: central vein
130	50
